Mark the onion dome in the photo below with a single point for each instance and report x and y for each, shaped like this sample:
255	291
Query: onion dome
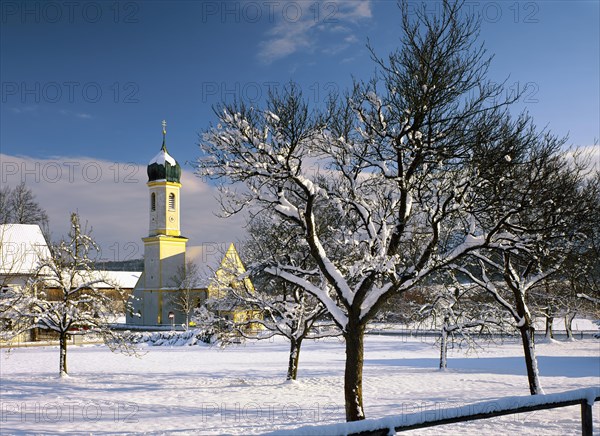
163	166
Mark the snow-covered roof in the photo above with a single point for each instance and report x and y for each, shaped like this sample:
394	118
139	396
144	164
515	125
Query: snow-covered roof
21	248
124	279
100	279
162	157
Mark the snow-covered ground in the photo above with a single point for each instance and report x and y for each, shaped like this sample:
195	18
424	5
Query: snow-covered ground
241	389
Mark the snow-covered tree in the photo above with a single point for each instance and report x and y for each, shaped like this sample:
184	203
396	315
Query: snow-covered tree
459	313
570	305
519	279
209	326
584	265
580	271
546	303
404	160
63	296
289	312
532	250
284	309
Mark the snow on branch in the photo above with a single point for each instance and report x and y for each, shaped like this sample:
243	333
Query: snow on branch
322	294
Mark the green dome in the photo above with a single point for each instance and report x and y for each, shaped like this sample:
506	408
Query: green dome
164	167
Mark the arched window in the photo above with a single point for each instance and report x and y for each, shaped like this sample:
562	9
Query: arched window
153	202
171	201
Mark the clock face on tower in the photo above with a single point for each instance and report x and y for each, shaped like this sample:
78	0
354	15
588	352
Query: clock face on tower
171	218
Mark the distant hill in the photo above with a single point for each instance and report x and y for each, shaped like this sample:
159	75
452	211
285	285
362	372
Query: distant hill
121	265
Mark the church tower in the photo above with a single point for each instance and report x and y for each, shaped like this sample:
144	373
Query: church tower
164	247
164	174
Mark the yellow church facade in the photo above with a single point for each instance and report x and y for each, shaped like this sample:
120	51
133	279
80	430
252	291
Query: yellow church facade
157	297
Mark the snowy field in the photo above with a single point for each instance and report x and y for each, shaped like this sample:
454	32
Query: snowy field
241	389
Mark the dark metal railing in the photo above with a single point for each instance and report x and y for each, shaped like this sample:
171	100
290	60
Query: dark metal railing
470	412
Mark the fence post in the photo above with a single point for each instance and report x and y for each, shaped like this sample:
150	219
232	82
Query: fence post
586	419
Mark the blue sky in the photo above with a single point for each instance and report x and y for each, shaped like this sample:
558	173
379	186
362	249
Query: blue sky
90	82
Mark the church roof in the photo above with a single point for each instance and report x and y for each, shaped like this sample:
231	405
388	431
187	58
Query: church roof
163	166
209	258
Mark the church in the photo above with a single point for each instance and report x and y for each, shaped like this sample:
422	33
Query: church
157	298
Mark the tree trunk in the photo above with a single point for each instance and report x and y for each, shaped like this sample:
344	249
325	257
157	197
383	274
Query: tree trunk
444	348
62	366
533	376
569	325
528	339
292	371
549	322
354	336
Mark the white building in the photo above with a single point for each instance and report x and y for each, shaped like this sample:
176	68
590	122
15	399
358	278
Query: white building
21	248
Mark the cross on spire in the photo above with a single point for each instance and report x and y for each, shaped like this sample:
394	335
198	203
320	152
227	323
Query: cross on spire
164	129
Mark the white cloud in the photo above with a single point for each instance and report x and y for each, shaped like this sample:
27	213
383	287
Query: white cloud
588	155
355	10
310	26
285	39
113	198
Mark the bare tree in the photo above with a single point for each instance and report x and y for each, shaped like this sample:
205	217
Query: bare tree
63	296
19	206
5	208
400	160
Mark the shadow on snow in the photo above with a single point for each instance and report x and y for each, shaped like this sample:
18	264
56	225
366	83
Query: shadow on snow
550	366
